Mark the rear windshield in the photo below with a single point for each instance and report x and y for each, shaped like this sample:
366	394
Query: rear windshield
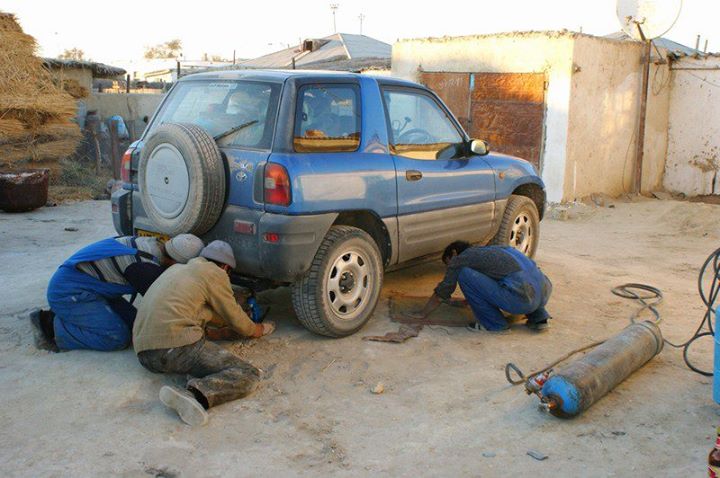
236	113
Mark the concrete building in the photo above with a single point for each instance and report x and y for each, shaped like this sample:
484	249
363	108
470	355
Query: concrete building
693	153
566	101
82	71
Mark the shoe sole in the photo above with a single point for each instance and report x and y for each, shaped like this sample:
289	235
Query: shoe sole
485	331
41	341
539	328
189	410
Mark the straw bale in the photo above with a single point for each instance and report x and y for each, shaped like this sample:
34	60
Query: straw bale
12	130
27	92
74	88
35	151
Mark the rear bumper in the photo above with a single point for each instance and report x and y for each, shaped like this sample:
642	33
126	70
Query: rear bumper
299	238
121	201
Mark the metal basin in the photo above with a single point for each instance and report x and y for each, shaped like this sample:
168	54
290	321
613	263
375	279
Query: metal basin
23	190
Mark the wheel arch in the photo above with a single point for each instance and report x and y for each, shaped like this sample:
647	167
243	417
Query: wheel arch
371	223
535	192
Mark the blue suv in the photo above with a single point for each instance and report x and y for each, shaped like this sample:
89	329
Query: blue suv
321	181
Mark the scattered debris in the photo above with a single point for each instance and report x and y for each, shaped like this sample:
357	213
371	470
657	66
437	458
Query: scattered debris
378	389
619	434
665	196
489	454
405	332
71	229
537	455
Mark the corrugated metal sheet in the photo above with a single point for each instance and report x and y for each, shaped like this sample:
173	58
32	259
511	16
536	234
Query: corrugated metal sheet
337	47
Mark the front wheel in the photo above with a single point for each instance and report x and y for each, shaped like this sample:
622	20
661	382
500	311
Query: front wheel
339	292
520	226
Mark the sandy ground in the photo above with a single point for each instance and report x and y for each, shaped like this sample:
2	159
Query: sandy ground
446	410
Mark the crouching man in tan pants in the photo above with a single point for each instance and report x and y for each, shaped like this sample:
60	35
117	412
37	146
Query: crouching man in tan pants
169	334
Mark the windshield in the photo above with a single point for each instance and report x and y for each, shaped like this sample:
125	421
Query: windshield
236	113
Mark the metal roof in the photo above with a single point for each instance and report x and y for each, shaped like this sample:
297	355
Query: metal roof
674	48
336	47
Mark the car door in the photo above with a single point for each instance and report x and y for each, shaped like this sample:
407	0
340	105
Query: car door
445	193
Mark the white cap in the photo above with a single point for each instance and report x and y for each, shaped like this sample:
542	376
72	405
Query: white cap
219	251
184	247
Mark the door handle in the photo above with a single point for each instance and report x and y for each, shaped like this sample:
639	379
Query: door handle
413	175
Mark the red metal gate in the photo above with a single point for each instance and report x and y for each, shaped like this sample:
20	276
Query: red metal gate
506	109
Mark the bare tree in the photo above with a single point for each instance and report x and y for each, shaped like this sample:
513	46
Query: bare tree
169	49
72	54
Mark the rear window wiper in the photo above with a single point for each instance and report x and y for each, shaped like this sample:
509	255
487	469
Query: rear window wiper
234	129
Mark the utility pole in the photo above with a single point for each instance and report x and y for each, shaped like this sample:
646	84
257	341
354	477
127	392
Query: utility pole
361	17
333	8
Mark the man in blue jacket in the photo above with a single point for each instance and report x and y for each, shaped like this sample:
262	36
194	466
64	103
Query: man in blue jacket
88	310
493	279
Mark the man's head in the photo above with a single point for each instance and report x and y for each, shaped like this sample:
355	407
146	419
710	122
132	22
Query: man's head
454	249
220	253
182	248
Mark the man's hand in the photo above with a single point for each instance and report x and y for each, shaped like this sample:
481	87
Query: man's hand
266	328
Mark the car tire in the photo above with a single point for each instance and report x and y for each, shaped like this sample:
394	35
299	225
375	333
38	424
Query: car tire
182	179
339	292
520	226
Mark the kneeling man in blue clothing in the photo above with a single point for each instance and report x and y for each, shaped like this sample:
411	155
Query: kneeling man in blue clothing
88	310
494	279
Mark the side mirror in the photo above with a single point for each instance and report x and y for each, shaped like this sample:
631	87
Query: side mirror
479	147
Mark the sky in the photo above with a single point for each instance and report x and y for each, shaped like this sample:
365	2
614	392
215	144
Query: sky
119	33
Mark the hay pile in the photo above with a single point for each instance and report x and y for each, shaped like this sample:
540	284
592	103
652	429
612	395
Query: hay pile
36	115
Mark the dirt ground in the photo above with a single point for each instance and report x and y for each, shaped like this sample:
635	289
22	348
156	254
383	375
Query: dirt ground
446	409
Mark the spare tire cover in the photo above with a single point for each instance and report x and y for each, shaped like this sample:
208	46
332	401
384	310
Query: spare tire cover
182	179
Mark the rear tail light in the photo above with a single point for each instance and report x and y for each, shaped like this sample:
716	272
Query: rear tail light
277	185
125	165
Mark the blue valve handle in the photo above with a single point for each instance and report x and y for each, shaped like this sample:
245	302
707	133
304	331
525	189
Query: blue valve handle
256	313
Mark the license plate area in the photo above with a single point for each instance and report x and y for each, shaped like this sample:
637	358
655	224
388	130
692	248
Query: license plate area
144	233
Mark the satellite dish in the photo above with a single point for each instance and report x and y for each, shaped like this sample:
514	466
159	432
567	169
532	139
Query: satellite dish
653	17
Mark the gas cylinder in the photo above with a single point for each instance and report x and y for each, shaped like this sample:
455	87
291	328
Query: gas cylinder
576	386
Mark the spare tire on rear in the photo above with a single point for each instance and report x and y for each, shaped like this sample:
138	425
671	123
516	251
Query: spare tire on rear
182	179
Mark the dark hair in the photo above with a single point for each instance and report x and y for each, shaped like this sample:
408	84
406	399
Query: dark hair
458	247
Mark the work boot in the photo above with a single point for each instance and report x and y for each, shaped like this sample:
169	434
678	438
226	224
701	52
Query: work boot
538	326
185	404
478	327
43	332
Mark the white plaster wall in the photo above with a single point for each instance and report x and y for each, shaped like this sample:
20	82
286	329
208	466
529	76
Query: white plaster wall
694	130
533	52
132	107
603	119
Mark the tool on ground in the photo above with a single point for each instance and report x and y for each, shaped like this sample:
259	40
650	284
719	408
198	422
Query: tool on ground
256	312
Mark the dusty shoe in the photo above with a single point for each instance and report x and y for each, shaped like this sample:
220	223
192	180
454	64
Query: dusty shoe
42	322
185	404
538	326
478	327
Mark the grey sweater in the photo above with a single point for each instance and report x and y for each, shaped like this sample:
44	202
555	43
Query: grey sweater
492	261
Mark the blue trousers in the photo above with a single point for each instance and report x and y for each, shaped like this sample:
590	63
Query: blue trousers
88	320
487	297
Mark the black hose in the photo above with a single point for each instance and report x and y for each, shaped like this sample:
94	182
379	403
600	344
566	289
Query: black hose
650	297
627	291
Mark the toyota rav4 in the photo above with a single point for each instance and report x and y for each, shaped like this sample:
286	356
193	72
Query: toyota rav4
321	181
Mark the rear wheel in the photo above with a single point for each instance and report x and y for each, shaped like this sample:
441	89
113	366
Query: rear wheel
520	226
339	292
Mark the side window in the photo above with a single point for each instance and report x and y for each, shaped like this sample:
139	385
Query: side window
420	129
327	119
